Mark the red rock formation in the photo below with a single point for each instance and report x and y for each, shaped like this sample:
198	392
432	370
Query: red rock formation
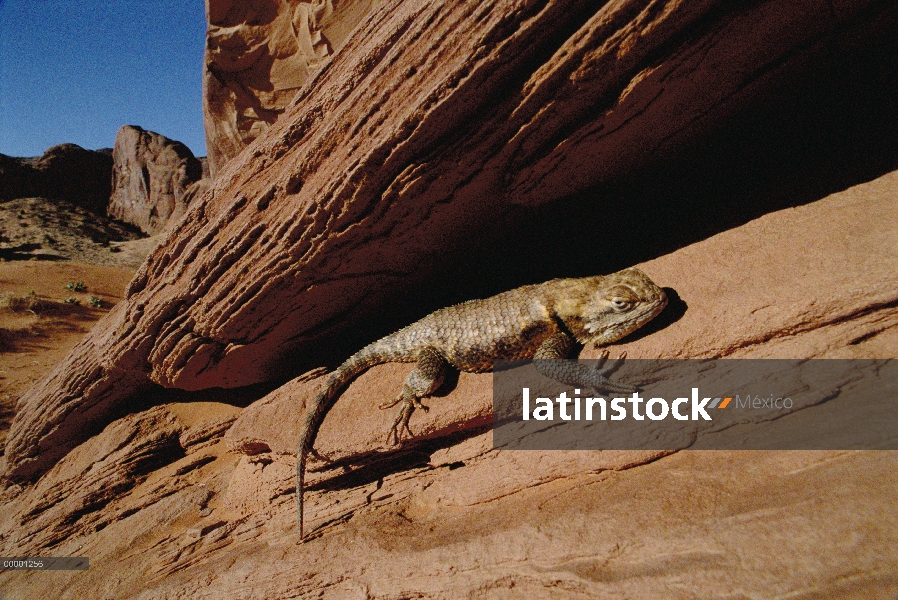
258	54
163	511
434	119
151	175
64	172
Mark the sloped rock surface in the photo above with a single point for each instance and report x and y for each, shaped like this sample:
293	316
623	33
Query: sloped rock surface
433	120
64	172
92	488
449	516
151	176
802	302
258	54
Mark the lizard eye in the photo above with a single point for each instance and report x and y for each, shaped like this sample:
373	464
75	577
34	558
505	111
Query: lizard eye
621	304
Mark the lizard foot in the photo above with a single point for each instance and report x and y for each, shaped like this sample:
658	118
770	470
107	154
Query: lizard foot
399	399
427	376
604	373
400	425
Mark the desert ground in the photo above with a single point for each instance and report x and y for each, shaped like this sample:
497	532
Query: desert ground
46	246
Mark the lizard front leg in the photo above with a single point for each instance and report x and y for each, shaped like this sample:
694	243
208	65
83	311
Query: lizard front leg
548	360
424	380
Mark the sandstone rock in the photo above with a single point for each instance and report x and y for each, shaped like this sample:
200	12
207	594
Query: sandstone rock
151	176
449	516
71	172
744	300
258	54
64	172
204	161
194	191
434	121
90	489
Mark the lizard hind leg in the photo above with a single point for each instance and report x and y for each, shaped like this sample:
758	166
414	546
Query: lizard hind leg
424	380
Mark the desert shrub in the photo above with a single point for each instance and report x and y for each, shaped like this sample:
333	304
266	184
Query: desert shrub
28	303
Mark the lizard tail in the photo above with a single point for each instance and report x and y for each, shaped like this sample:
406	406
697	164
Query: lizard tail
321	405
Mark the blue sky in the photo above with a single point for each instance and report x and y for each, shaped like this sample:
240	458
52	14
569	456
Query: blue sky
77	70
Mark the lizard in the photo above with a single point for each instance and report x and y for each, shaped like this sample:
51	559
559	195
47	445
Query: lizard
545	321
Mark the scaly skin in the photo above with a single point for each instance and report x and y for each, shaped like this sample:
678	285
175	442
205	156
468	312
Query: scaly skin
545	321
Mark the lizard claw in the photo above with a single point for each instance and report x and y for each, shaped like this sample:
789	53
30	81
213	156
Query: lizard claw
601	360
604	382
390	404
400	425
397	434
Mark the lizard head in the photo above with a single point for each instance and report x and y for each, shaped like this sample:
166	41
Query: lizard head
620	304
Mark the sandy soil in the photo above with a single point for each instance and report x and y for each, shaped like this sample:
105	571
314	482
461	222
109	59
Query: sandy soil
44	246
33	340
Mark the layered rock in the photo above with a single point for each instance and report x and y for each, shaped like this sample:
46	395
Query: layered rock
163	511
151	175
64	172
791	297
88	488
435	121
258	54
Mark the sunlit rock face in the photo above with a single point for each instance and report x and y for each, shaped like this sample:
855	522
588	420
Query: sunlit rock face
151	177
258	54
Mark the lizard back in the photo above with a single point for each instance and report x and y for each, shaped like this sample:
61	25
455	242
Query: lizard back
471	335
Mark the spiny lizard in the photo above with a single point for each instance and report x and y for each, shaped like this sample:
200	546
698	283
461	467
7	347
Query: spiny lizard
541	321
